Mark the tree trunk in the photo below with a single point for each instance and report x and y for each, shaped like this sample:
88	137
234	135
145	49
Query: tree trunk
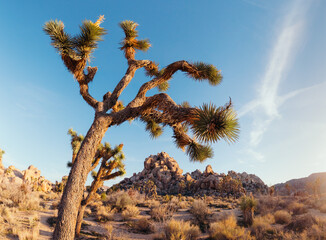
84	203
80	218
72	195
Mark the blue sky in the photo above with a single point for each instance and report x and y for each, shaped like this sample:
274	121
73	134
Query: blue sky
272	55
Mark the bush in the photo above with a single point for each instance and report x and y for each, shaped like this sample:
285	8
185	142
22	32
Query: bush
200	211
104	214
130	212
180	230
301	223
297	208
247	206
143	225
227	229
261	227
282	217
160	213
123	200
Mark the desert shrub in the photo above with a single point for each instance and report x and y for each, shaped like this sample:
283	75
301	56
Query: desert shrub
317	231
122	201
301	223
282	217
130	212
104	214
297	208
109	229
143	225
201	213
227	229
160	213
247	206
183	204
31	202
179	230
261	227
153	203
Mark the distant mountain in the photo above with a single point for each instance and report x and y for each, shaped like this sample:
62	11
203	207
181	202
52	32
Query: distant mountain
302	185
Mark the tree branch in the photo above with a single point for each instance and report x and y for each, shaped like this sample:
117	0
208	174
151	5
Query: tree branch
110	100
113	175
166	75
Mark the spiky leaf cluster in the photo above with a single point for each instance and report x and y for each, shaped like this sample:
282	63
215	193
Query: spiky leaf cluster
155	130
130	41
213	123
87	41
80	46
198	152
206	71
2	152
76	140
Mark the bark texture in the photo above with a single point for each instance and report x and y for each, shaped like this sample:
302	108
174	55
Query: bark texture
72	195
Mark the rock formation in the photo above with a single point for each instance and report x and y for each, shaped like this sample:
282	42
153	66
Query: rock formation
31	177
165	173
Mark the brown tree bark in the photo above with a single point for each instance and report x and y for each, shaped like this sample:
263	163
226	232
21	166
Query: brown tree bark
95	185
72	195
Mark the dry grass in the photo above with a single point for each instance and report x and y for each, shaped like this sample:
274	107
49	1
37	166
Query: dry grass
104	214
130	212
227	229
282	217
261	227
297	208
178	230
161	213
143	225
301	223
201	213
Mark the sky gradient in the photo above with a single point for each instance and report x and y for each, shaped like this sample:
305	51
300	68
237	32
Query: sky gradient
272	55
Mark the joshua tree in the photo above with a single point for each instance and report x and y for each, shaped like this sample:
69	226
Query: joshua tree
208	123
111	159
1	153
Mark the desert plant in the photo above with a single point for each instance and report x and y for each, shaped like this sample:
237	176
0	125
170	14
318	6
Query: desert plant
247	206
227	229
282	217
201	212
143	225
179	230
130	212
160	213
297	208
1	154
261	227
208	123
301	223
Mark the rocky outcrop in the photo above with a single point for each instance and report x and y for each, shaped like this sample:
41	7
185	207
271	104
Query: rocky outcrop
314	183
31	177
165	173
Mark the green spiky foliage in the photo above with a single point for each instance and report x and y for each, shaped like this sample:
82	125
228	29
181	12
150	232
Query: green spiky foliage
77	47
198	152
75	142
206	71
153	128
213	123
130	44
163	87
1	153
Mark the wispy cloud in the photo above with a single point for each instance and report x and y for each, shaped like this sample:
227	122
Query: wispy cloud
265	107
